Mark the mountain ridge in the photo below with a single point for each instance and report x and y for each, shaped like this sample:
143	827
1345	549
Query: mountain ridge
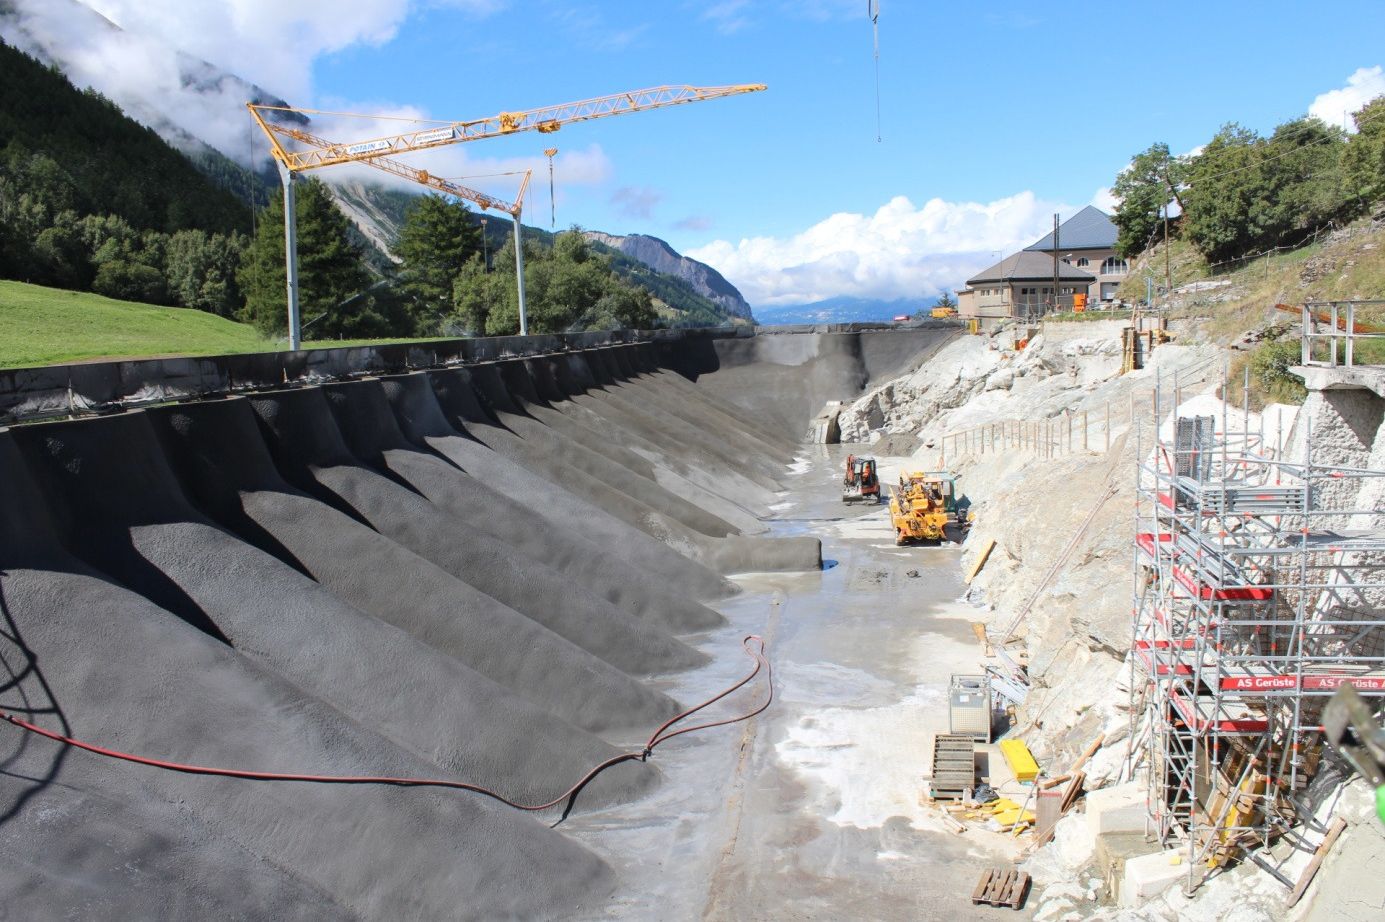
841	309
199	113
660	256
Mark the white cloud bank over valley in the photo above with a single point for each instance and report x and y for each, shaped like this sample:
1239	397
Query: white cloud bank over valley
900	251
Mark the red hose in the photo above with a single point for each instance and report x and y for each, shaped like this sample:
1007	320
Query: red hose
660	736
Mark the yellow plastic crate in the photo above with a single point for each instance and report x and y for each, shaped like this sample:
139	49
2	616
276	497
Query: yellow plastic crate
1020	760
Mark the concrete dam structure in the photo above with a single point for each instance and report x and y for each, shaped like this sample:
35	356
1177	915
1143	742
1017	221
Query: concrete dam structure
481	562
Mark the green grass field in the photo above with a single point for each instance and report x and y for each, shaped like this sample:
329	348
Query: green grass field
50	326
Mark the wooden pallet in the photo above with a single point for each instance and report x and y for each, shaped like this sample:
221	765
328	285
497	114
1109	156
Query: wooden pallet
1001	887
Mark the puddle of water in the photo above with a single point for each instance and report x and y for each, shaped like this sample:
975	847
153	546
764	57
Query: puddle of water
865	765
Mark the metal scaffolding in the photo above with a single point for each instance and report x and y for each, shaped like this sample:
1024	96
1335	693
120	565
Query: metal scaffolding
1257	593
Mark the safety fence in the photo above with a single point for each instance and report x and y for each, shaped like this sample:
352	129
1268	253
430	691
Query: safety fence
1087	429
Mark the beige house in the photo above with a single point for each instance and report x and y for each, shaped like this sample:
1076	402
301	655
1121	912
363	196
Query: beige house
1021	285
1087	241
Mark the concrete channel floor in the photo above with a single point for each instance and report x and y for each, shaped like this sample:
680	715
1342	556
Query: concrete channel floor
813	810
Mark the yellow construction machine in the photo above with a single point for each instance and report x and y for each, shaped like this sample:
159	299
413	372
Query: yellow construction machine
923	507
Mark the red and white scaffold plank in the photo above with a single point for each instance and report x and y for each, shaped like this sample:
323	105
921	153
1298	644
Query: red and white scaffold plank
1267	683
1199	588
1228	717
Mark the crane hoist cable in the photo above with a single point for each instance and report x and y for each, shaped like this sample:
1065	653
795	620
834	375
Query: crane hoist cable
752	644
550	153
873	11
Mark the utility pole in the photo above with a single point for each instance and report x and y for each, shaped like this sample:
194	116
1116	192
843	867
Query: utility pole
1168	274
519	273
291	256
1055	263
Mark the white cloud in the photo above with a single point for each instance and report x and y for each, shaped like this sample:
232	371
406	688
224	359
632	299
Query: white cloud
825	10
1336	105
694	222
732	16
141	63
729	16
901	251
1105	199
590	27
272	42
636	201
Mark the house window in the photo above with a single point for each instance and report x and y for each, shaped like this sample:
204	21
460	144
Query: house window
1083	262
1114	265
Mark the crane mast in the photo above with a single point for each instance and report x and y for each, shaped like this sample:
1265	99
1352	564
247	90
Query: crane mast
314	153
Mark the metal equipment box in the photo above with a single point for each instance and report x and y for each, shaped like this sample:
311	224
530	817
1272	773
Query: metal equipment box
969	707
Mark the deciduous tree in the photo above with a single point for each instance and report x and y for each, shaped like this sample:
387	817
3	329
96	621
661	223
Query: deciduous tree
1363	161
1153	179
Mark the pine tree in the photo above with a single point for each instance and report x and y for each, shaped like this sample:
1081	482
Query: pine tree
568	286
330	273
435	243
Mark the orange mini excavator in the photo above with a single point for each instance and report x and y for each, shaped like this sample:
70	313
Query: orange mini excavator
862	480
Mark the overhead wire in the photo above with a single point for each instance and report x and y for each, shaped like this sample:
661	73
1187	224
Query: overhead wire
752	644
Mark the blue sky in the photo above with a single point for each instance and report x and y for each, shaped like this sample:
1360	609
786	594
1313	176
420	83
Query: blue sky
993	115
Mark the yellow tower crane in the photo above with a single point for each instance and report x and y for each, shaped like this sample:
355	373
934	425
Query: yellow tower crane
315	153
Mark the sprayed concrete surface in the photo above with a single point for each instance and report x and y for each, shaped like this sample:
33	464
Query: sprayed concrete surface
502	574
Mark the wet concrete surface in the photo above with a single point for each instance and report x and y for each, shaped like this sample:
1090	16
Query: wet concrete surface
814	809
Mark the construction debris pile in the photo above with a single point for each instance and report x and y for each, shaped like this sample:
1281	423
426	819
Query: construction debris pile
1259	590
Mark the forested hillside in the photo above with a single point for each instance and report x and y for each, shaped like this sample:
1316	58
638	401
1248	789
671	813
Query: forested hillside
91	200
1242	193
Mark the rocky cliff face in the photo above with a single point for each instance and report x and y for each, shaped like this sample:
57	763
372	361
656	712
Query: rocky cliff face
1074	600
659	256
